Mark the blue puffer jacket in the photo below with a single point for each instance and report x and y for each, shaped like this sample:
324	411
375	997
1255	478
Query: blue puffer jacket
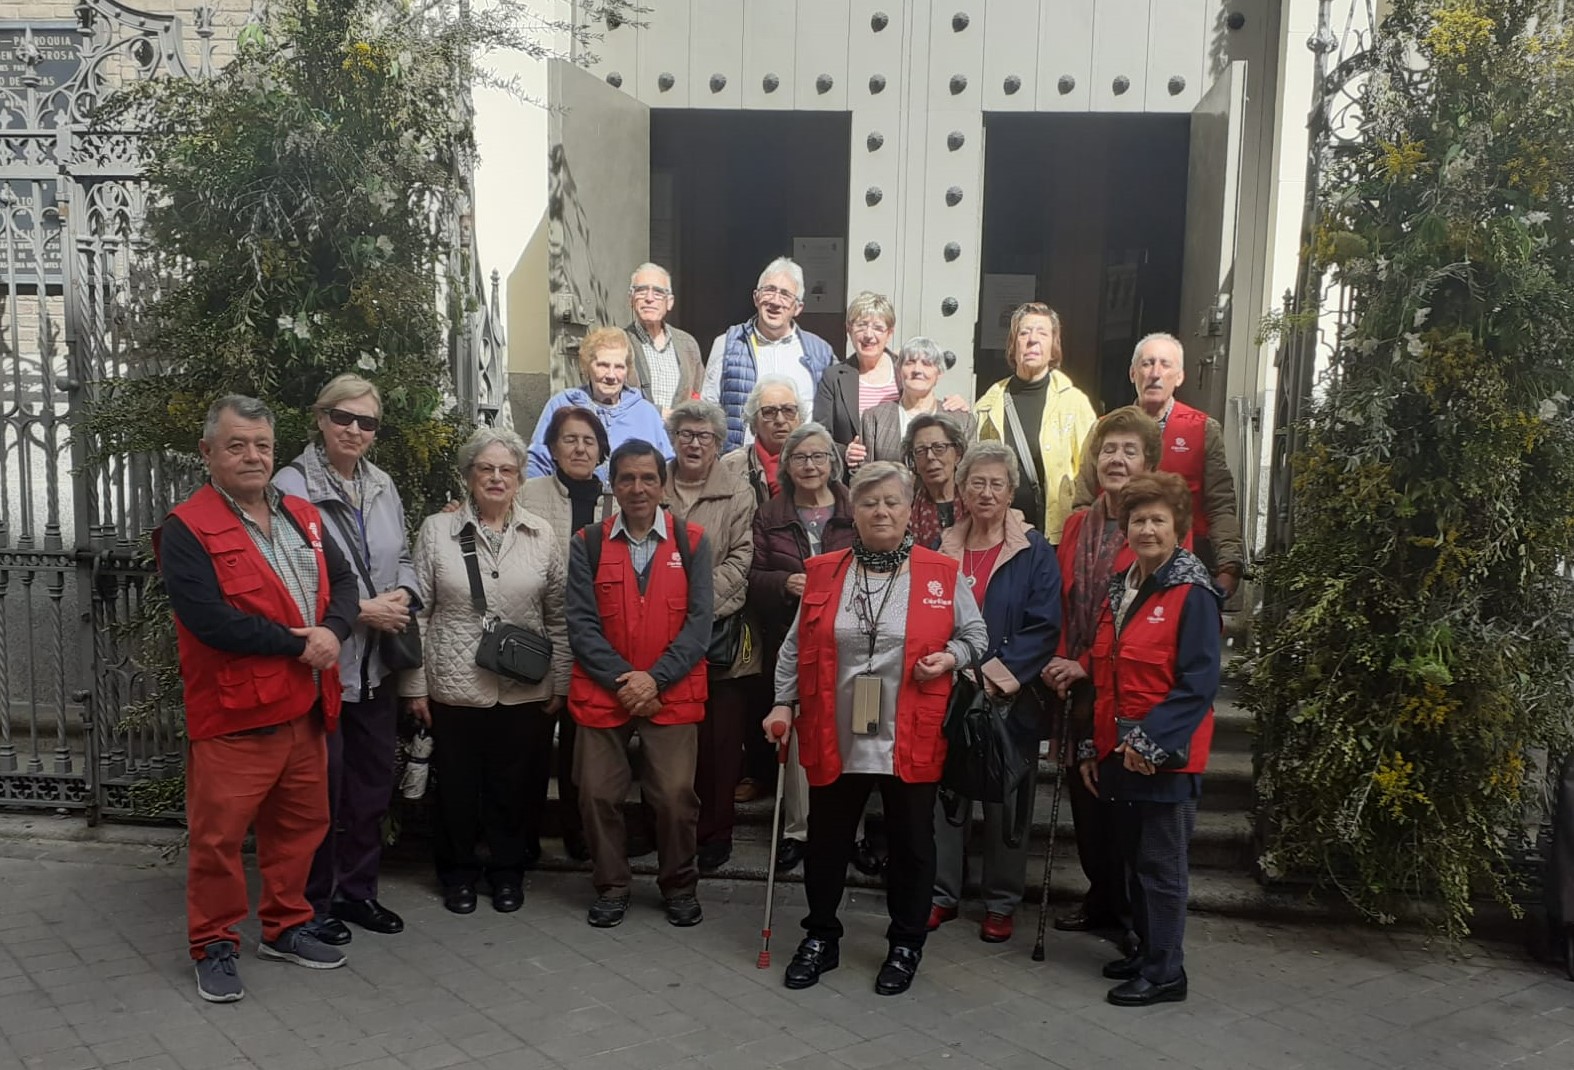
631	417
738	373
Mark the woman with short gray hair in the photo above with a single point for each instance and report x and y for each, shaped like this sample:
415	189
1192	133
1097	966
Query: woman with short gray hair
490	730
1014	576
918	369
811	515
771	412
933	447
702	492
868	664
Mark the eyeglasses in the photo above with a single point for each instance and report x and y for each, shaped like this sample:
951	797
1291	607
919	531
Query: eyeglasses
776	291
934	449
343	418
649	291
878	326
507	471
804	460
771	412
704	438
979	486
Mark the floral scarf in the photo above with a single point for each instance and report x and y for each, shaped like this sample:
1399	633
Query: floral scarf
926	524
1098	544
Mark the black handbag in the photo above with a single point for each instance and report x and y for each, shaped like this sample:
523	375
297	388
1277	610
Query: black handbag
506	649
985	760
399	650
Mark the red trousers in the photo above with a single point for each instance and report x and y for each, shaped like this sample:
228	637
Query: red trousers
277	780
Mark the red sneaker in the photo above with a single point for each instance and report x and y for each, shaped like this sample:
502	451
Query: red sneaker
939	915
997	928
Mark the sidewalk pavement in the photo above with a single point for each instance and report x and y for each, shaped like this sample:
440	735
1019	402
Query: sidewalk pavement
93	973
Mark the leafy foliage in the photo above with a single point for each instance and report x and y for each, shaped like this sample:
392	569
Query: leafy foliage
1416	654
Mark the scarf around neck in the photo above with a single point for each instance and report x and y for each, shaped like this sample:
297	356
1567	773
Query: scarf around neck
1098	544
882	560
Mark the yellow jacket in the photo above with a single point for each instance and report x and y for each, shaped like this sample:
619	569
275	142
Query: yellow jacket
1068	417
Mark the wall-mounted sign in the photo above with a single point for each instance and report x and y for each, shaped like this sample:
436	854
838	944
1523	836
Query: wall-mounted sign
824	263
39	55
30	233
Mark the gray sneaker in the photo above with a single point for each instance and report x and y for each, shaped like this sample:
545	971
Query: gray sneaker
299	946
218	979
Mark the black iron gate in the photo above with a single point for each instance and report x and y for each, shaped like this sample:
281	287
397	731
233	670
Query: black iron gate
75	279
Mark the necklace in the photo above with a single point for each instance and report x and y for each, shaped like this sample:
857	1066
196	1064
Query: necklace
972	559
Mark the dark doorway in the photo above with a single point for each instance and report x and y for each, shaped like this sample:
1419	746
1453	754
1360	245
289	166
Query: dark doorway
729	191
1092	209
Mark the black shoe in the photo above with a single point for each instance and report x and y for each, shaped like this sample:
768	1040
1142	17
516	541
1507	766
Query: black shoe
866	861
327	929
1141	992
896	975
812	958
712	856
460	898
789	853
607	911
1080	921
576	847
369	914
684	911
507	897
1124	969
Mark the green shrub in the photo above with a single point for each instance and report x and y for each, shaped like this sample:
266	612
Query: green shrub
1416	651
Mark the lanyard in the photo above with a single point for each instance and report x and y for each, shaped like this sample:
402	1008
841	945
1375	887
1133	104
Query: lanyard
873	623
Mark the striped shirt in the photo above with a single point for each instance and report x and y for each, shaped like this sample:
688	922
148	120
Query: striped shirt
870	396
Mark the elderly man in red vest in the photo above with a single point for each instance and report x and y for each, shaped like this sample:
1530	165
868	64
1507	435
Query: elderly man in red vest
639	612
261	603
1193	450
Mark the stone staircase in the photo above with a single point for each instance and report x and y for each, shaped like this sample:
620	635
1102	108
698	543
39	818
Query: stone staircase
1222	851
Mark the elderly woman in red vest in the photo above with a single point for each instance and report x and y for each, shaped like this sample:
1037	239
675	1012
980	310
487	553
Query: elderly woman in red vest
869	663
1155	659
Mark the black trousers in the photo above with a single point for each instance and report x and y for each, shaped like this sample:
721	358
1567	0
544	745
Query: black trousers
481	757
720	764
1108	900
834	811
1153	840
539	769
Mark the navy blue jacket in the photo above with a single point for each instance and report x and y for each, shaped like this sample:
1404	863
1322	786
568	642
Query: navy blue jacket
1021	608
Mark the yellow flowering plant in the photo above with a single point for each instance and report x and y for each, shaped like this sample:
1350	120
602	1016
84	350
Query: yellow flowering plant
1414	650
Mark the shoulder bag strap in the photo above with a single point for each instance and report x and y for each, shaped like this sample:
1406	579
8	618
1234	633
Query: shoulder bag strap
1014	423
680	534
473	568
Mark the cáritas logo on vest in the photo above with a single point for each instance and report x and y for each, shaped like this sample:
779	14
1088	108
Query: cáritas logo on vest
1180	446
313	536
937	598
1157	616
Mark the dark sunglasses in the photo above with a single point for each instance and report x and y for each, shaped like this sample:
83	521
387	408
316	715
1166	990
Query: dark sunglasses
369	424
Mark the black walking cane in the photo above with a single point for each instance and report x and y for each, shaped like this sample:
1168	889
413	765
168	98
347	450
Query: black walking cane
764	961
1054	820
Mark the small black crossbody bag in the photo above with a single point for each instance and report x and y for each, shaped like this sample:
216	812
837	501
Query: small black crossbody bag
506	649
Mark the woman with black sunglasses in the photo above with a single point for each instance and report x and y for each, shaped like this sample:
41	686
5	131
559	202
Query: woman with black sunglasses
363	515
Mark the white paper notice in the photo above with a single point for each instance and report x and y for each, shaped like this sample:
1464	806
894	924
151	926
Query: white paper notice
824	263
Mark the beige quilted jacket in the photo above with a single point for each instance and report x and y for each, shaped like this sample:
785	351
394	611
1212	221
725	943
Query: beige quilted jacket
524	585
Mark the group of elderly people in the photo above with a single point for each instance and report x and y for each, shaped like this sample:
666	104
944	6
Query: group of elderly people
837	572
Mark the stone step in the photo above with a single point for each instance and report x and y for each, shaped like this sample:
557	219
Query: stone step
1218	890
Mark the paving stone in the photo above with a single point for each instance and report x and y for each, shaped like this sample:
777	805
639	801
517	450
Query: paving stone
95	975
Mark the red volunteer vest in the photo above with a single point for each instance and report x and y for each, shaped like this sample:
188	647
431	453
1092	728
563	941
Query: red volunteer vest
920	707
227	692
1185	454
641	627
1134	672
1066	554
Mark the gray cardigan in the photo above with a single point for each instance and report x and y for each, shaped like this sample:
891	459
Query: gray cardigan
360	664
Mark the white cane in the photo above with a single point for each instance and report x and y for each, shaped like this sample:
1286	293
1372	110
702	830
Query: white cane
780	732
